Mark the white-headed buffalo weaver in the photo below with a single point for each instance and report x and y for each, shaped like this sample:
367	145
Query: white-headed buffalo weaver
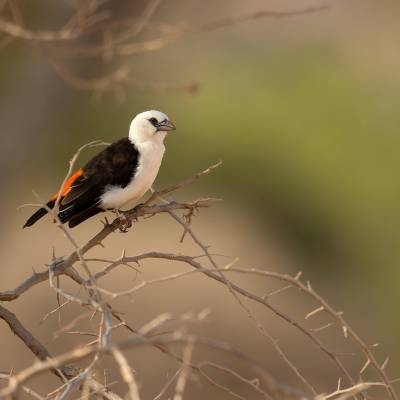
117	176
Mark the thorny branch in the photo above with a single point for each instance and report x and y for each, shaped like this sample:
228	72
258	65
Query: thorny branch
93	31
98	300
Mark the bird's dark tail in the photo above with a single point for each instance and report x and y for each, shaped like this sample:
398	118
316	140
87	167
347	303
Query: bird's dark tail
83	216
39	214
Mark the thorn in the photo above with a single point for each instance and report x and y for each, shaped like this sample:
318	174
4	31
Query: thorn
231	264
385	363
365	366
316	311
339	383
132	267
106	223
298	275
277	291
93	315
345	331
323	327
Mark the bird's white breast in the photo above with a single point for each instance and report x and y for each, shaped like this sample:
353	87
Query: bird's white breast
151	154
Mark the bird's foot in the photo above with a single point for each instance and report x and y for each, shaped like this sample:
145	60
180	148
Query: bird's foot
126	221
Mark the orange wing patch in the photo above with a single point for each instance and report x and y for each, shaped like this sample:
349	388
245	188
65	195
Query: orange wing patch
68	184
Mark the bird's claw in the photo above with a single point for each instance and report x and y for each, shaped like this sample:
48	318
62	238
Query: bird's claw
126	221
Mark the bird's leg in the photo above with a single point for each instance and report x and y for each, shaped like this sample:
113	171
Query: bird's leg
126	222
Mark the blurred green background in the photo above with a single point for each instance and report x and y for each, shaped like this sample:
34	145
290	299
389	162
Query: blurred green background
303	111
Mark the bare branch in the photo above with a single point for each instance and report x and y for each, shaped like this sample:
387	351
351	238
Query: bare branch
98	304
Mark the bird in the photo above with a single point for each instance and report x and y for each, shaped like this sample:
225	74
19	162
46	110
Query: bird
116	177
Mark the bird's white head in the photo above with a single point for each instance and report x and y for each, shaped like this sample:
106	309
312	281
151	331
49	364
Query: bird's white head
150	126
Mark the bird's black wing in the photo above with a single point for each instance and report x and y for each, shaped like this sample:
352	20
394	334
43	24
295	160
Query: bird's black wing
114	166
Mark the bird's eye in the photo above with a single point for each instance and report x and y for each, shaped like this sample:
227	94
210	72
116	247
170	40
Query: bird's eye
153	121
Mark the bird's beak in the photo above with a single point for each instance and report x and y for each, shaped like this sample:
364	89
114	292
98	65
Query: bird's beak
165	126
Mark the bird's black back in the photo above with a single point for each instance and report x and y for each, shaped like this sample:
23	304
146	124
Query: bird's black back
114	166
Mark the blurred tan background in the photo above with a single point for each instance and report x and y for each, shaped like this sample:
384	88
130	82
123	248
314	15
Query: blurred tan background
304	113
